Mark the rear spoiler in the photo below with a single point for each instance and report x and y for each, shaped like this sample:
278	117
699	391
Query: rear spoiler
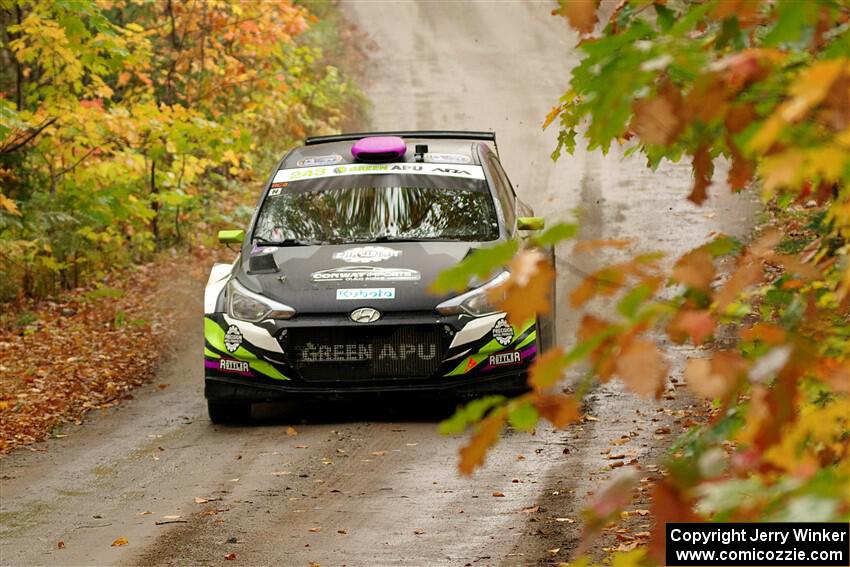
427	134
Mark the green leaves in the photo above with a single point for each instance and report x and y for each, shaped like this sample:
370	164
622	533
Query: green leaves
556	233
470	414
480	263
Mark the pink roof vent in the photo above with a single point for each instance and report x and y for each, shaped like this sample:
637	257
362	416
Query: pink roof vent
377	149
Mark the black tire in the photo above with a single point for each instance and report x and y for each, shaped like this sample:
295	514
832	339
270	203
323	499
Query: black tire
547	325
227	412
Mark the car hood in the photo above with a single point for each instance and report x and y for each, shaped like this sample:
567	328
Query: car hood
341	278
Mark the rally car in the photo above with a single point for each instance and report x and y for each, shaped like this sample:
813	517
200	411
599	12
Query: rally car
329	295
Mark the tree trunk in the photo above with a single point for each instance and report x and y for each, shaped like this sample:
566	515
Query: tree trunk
155	205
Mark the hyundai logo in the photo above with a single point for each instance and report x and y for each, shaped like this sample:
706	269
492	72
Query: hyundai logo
365	315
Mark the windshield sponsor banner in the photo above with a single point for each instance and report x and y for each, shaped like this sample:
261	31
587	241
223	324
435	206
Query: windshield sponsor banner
448	170
366	274
366	254
365	352
365	293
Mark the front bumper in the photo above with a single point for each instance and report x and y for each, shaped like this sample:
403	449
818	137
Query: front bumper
331	355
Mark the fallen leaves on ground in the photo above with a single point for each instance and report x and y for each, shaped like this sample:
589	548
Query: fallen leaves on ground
119	542
87	349
230	556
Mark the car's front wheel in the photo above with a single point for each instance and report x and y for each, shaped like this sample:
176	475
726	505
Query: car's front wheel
223	412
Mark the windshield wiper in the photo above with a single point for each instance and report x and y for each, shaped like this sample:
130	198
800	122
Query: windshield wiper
287	242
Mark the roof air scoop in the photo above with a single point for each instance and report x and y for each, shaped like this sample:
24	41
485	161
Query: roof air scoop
378	149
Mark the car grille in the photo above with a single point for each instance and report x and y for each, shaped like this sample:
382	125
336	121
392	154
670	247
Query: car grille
334	354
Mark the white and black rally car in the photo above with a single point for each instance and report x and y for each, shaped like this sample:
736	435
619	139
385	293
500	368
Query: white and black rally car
329	294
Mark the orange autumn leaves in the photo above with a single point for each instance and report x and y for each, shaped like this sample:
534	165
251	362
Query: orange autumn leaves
664	118
526	293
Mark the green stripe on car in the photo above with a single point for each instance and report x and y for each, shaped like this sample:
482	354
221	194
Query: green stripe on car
214	335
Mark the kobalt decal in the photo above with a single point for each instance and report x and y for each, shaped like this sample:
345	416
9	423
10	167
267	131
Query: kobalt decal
366	274
503	332
505	358
363	352
233	339
228	365
319	160
366	293
366	254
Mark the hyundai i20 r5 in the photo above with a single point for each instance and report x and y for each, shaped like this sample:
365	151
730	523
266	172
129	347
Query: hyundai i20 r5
329	297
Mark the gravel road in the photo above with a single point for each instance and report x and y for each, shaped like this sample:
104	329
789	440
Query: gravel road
372	486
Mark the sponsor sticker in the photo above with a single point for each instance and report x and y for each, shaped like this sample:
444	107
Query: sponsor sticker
505	358
363	352
365	293
447	158
230	365
450	170
365	274
319	160
503	332
366	254
232	339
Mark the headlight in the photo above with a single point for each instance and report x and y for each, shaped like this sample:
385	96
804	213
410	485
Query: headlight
474	302
245	305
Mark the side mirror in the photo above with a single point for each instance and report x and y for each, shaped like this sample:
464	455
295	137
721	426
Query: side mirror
530	223
231	236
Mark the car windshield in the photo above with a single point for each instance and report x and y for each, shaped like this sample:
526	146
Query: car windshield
381	207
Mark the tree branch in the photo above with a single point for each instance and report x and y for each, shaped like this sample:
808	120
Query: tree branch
25	138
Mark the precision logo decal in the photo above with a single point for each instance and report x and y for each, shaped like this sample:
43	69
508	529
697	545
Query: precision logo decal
233	338
366	274
503	332
505	358
367	254
365	293
229	365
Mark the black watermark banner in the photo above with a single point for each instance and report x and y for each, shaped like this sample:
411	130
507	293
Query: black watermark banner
759	544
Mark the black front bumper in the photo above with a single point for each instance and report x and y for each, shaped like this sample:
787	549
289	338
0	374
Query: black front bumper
252	390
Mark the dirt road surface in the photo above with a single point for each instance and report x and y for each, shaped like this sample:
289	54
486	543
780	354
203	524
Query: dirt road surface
363	486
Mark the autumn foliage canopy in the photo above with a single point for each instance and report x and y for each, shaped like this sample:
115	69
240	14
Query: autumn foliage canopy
127	126
761	90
